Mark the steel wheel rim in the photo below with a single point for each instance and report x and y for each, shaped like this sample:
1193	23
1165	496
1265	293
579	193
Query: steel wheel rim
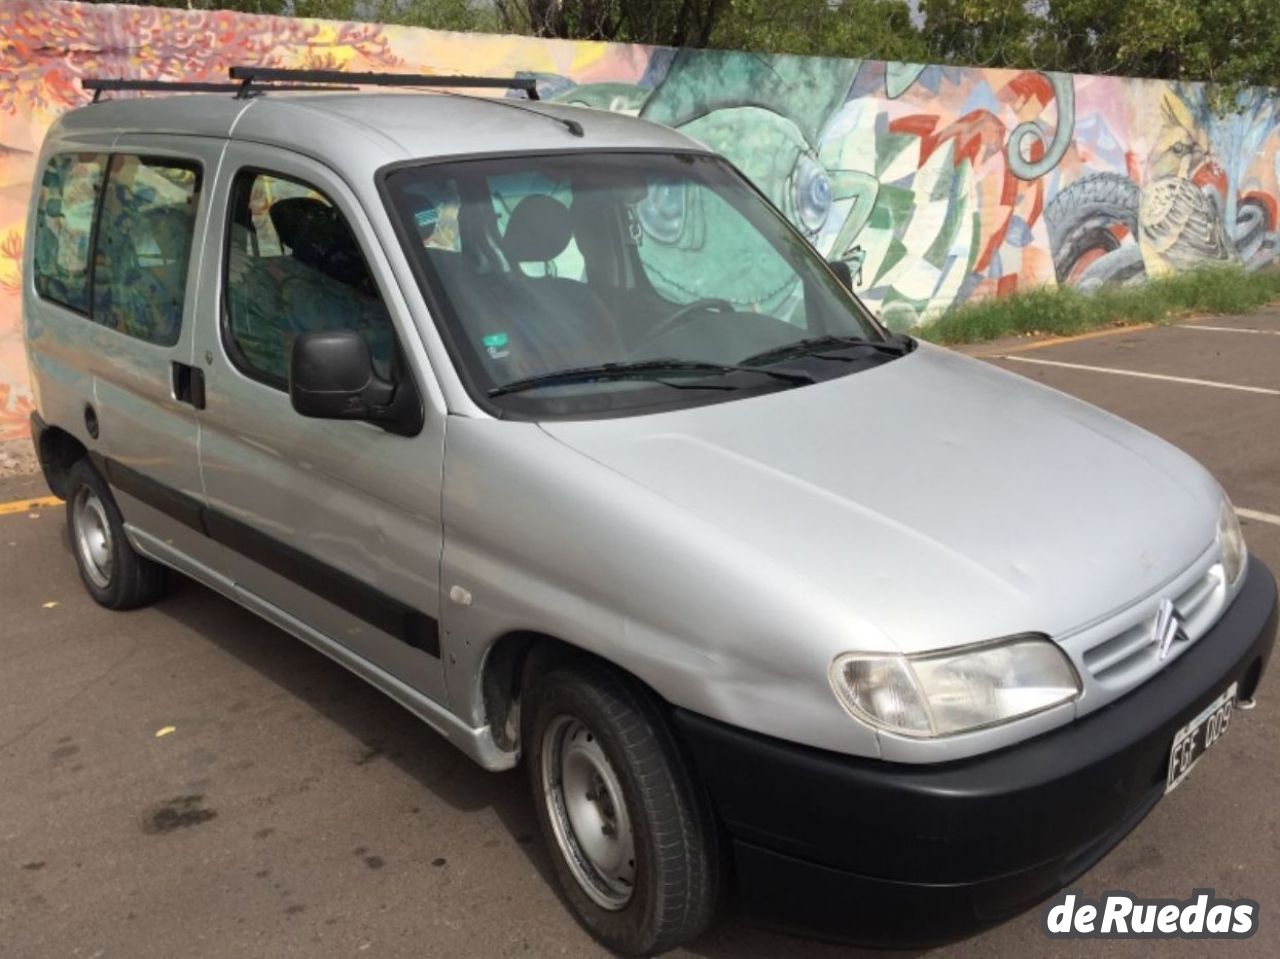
588	813
93	537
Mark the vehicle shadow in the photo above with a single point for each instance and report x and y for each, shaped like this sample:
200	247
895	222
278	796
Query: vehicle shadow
389	732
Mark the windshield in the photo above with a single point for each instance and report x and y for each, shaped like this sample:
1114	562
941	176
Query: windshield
606	283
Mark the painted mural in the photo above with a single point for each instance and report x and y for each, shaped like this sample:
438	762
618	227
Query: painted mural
937	185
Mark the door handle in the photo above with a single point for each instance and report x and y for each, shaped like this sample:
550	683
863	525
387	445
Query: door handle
188	384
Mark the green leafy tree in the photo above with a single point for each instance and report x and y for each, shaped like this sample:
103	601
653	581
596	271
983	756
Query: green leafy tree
431	14
879	29
995	33
1231	42
671	22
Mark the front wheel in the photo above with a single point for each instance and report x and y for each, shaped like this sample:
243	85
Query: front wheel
632	843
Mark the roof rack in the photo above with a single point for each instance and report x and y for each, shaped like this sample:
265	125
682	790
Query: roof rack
101	85
249	76
253	81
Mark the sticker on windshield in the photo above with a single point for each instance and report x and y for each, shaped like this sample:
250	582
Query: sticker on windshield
496	345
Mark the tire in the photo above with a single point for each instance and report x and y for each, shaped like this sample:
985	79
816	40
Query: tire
1080	218
111	570
601	756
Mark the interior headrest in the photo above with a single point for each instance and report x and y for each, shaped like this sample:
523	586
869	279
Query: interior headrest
170	226
304	224
539	230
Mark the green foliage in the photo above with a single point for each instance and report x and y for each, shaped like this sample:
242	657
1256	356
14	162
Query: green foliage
867	29
677	23
1231	42
1063	311
432	14
461	15
979	32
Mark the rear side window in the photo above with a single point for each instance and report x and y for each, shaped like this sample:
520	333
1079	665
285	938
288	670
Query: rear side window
144	245
293	266
65	211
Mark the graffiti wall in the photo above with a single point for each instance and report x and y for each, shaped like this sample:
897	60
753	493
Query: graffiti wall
937	185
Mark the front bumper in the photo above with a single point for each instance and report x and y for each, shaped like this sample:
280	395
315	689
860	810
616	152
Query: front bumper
880	853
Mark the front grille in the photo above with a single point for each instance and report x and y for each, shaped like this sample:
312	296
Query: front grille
1131	654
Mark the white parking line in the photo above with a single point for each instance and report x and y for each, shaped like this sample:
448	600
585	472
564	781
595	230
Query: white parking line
1259	516
1226	329
1145	376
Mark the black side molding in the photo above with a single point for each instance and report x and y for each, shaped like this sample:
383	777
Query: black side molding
185	509
346	592
409	625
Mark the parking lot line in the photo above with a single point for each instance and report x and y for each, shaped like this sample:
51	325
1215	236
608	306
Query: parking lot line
1074	338
1144	376
27	505
1226	329
1258	515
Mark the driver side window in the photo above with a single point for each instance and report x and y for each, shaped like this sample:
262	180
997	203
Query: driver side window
293	265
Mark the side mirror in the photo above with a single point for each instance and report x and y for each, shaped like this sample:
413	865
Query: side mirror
331	377
841	269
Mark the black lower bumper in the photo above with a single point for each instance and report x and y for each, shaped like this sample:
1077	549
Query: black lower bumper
889	854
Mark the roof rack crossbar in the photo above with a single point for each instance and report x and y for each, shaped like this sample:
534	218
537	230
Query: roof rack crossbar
248	76
573	126
101	85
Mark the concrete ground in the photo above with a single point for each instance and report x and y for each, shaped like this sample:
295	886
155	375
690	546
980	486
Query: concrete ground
186	780
17	458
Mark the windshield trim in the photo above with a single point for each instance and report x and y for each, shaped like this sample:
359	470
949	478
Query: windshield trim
439	309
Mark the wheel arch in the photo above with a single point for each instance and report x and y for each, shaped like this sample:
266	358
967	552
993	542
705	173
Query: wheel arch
513	661
57	451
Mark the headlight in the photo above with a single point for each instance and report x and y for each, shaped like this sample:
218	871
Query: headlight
956	690
1231	542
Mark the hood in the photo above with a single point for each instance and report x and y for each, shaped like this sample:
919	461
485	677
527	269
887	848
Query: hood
945	500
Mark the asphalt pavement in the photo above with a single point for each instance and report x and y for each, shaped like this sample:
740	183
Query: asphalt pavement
188	781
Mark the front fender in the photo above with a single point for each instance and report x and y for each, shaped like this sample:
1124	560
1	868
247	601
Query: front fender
540	538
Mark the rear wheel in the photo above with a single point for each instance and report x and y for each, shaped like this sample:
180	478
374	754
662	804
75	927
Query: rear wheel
632	842
112	571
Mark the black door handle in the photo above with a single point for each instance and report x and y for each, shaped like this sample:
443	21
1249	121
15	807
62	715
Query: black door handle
188	384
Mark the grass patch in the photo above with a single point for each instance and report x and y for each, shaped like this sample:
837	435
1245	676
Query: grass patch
1062	311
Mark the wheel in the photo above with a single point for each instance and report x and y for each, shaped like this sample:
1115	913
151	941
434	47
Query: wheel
632	841
113	573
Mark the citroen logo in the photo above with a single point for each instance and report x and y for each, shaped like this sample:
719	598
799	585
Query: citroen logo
1168	627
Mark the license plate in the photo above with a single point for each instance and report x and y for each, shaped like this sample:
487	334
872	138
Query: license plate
1194	739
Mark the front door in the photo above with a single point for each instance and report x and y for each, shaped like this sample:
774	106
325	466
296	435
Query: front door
334	524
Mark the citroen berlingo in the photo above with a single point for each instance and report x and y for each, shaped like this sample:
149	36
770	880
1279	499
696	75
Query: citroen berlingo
465	392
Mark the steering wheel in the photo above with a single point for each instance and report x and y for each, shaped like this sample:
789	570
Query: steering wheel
683	315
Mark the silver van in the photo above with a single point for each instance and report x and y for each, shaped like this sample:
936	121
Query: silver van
773	604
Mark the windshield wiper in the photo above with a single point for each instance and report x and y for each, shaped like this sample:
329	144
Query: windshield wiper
639	369
814	345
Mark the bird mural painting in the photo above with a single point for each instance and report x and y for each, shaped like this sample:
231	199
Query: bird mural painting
1179	221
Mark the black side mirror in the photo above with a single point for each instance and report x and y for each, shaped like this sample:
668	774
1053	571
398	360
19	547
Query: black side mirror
841	269
331	377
